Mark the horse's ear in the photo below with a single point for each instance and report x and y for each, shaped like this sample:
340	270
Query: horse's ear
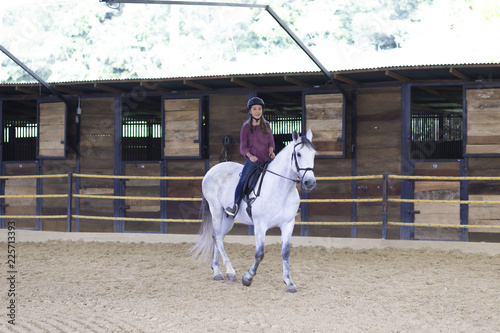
309	135
295	135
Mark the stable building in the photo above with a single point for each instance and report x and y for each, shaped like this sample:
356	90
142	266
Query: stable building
440	120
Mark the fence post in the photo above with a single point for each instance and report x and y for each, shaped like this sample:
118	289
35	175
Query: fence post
70	200
385	187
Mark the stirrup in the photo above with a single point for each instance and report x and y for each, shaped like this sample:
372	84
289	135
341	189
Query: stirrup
232	211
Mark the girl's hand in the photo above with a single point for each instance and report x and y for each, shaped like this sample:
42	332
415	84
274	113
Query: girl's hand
253	158
272	155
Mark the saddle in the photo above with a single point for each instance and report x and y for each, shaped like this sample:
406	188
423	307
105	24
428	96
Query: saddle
251	183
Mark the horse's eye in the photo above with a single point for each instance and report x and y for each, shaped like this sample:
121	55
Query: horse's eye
299	155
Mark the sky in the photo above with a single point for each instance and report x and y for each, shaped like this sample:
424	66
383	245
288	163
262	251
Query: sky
448	32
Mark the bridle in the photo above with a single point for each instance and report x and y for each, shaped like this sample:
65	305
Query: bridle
294	158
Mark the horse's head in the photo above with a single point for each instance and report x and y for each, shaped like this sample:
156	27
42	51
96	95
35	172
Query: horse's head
303	155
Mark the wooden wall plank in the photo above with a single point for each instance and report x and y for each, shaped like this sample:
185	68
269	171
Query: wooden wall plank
437	169
483	149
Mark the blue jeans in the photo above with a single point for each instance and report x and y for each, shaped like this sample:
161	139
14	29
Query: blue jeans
247	169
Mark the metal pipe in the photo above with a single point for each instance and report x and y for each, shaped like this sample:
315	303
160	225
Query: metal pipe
225	4
30	72
195	3
299	42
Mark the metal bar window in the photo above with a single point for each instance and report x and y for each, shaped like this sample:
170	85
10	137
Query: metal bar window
19	137
283	127
141	139
436	135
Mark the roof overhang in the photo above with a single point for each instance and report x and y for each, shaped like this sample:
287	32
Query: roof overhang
451	74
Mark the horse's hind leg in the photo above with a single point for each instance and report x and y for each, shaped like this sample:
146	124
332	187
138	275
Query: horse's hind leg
286	234
215	264
219	232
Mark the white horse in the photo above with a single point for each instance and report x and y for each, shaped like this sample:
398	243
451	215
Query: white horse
276	206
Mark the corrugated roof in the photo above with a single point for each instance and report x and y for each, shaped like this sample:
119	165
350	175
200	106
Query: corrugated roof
487	72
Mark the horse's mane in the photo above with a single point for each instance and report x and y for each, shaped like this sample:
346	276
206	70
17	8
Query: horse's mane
305	141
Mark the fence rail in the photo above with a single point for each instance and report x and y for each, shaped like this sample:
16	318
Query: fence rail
70	196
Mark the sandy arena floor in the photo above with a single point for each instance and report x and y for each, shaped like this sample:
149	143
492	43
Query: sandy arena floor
130	286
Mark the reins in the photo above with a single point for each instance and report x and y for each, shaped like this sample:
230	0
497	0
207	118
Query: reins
294	158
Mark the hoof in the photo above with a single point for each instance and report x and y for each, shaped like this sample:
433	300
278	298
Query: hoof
219	277
231	277
246	280
291	289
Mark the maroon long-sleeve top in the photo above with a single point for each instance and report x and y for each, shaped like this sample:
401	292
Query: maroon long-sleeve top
256	142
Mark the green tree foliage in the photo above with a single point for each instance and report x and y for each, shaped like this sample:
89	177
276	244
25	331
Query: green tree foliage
88	40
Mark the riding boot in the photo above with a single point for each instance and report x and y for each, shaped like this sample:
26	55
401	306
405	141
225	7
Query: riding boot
232	211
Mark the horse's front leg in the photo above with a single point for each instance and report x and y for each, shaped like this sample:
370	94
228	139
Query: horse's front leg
259	255
286	235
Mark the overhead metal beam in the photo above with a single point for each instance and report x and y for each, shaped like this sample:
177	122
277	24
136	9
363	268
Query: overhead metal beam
33	74
226	4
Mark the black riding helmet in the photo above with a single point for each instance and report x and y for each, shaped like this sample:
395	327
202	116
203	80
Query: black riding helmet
255	101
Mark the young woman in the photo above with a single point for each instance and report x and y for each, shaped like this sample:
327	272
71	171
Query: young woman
256	144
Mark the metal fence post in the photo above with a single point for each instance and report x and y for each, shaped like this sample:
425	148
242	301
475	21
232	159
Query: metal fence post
70	201
385	187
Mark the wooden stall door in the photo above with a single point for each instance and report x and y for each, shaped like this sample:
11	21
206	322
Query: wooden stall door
378	151
52	126
182	127
137	208
437	213
330	123
21	186
483	121
325	117
97	157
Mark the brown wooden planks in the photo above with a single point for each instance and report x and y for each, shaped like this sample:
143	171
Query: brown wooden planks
483	126
182	127
142	187
52	127
437	213
324	114
484	214
437	169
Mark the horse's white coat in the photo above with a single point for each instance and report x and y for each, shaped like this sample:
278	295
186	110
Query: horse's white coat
276	206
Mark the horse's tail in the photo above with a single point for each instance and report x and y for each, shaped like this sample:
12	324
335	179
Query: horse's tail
204	246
